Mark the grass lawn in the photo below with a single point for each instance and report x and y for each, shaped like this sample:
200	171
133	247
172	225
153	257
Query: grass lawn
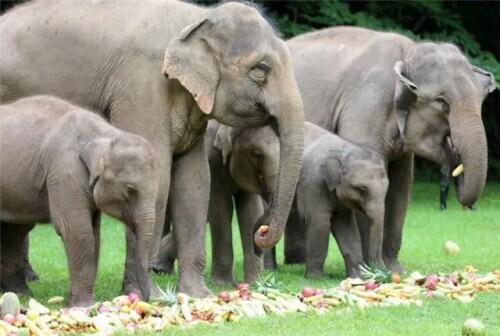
477	233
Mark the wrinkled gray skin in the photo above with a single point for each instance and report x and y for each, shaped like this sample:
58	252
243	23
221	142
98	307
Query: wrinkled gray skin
337	179
399	98
63	164
161	69
244	165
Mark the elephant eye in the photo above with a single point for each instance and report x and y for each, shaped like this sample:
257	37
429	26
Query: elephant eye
131	190
440	100
260	72
363	190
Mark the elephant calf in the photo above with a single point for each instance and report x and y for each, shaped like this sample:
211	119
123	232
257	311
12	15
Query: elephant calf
338	178
243	167
64	164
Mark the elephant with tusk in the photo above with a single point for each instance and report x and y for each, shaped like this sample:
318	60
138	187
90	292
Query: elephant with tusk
397	97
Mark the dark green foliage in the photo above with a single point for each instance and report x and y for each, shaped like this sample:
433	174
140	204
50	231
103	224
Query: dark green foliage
473	26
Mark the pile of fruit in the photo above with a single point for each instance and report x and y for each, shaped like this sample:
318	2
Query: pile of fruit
378	288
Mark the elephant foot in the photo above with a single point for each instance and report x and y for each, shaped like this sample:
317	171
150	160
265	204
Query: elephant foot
353	272
164	267
82	301
316	274
15	283
393	265
295	257
18	288
30	274
223	279
193	288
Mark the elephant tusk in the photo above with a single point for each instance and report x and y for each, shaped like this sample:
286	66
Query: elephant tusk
458	170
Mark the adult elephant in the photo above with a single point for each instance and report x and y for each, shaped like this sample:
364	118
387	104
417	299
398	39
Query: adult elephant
397	97
161	69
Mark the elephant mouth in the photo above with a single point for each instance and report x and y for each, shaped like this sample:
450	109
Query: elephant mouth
265	191
455	164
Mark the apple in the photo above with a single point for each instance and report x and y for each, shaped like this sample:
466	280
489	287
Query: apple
9	318
224	296
451	248
473	327
133	297
431	282
371	285
307	292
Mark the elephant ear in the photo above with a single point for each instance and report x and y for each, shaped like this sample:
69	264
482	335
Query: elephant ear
486	79
405	95
190	59
224	141
92	156
332	170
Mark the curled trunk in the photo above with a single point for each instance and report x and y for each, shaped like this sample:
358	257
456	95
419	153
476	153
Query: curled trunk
469	138
290	124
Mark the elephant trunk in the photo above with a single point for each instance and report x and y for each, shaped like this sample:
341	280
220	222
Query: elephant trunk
144	222
290	124
469	139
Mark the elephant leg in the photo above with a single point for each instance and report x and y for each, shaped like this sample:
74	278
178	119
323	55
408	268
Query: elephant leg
295	251
29	272
444	187
249	209
346	233
396	204
220	214
317	237
144	116
190	196
96	228
371	234
12	237
270	262
166	255
167	252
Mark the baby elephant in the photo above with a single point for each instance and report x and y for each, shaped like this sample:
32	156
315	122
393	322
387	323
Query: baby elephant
64	164
338	178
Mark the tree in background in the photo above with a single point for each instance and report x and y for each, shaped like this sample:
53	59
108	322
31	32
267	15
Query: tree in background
474	26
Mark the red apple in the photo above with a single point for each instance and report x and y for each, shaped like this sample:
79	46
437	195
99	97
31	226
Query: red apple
243	287
224	296
371	285
133	297
307	292
9	318
431	282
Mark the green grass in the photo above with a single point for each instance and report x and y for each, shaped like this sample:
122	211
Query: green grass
477	233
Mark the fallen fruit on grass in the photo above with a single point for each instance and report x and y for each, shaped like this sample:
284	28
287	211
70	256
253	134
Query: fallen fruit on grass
9	318
307	292
371	285
473	327
431	282
21	318
224	296
451	247
395	278
9	304
133	297
55	300
243	286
